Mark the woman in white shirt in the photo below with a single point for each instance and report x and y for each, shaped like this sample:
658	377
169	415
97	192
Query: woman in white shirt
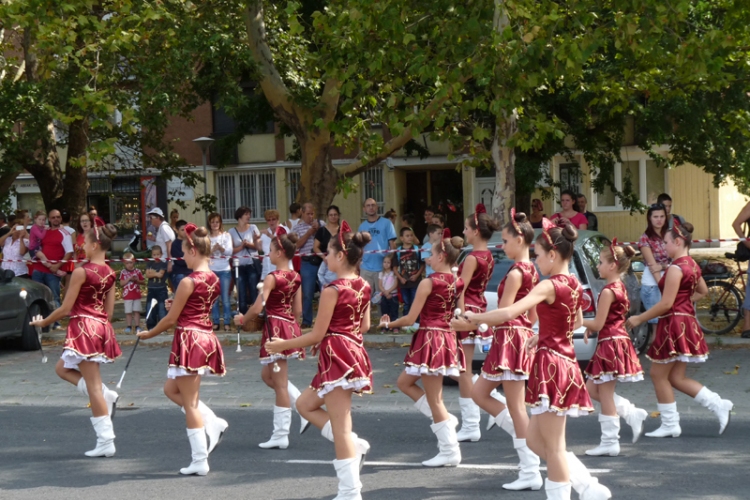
14	248
220	264
272	219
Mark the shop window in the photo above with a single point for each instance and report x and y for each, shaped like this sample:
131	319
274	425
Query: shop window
293	179
643	176
255	189
372	180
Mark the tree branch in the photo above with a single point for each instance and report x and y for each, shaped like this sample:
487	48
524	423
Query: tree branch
330	99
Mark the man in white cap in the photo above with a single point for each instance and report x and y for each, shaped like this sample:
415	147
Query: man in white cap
164	234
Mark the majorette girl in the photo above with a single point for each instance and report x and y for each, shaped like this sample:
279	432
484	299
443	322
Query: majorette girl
555	388
475	271
434	352
282	298
196	351
615	359
508	363
343	364
89	303
679	339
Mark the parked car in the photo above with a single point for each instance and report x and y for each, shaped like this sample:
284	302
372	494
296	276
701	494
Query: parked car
583	265
16	312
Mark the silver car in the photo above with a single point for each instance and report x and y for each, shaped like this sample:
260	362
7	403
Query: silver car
18	308
583	265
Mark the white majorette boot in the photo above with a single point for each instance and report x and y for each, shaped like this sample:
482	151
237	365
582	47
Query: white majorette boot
105	437
610	444
423	406
670	422
633	416
528	476
499	397
214	425
450	453
363	447
505	422
199	448
110	396
282	420
350	487
721	407
293	395
469	421
584	483
557	491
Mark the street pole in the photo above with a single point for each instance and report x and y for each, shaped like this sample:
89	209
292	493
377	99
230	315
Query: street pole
205	181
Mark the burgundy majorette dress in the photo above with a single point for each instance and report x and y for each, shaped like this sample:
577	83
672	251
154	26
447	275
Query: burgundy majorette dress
434	348
556	383
474	300
280	321
507	359
678	335
90	335
342	359
195	348
615	358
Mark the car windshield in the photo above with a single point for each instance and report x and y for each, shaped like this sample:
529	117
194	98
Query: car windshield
503	263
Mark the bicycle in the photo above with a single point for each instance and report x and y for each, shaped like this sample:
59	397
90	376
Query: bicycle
720	311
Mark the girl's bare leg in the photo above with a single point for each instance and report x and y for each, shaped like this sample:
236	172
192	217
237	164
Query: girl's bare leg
339	404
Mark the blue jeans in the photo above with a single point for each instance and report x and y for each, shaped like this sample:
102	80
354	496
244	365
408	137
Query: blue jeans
408	295
51	281
160	294
247	281
650	296
309	273
176	278
225	277
390	306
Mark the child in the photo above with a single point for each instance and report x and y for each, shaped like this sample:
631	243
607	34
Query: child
434	233
439	219
408	220
131	280
387	284
36	235
156	272
409	268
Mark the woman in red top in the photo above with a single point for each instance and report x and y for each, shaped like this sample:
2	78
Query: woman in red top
343	364
615	359
89	303
79	238
508	362
281	302
475	271
679	339
556	388
195	349
434	351
568	212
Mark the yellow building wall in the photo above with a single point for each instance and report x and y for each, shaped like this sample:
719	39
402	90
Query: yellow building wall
257	148
198	218
731	201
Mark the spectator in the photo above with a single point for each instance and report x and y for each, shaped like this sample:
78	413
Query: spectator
245	243
272	220
666	200
428	213
383	238
744	218
164	235
56	245
79	238
93	213
131	280
4	227
439	219
407	220
174	216
156	273
582	203
654	251
23	218
221	252
391	216
179	266
295	213
435	233
14	248
387	285
320	245
568	212
38	230
305	230
537	213
409	268
68	267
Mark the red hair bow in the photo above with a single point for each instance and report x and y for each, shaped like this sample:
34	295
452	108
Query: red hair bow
546	226
344	230
98	222
479	209
189	230
678	227
513	221
612	247
280	231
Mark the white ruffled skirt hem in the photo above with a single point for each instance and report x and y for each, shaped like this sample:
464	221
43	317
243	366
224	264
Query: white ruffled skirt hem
174	372
681	357
278	357
506	376
543	407
355	385
418	371
608	377
72	359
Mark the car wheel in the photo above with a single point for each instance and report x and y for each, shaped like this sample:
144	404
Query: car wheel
29	338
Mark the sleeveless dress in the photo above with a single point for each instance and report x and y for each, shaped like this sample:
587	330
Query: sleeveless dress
507	359
280	321
90	335
434	349
343	360
615	358
556	383
474	300
678	335
195	348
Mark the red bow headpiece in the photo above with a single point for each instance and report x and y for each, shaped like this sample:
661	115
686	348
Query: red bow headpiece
612	247
516	227
343	231
479	209
189	230
280	231
546	226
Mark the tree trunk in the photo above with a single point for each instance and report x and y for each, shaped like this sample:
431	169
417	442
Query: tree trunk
504	159
319	177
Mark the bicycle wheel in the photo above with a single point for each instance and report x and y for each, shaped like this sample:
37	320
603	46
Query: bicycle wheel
721	309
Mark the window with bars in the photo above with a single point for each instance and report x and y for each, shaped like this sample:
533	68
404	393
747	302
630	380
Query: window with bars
373	187
293	179
254	189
